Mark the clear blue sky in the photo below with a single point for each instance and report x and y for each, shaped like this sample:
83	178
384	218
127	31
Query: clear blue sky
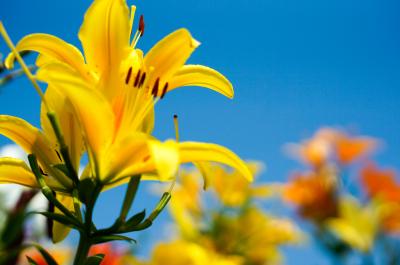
296	65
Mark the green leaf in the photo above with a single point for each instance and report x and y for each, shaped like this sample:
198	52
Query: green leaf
135	220
94	260
65	220
62	167
47	257
108	238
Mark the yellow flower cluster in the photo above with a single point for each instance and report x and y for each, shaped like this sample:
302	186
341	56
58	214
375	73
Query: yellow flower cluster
227	228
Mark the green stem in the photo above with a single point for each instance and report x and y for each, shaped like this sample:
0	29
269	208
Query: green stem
82	250
85	237
129	197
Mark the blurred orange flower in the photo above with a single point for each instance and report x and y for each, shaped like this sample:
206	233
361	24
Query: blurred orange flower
112	255
381	184
349	149
313	194
60	255
328	143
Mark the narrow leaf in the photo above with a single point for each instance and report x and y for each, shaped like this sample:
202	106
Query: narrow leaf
94	260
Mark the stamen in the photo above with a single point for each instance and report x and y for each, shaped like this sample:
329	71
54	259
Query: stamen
142	79
25	68
176	125
141	25
135	84
132	16
128	76
139	33
164	90
154	92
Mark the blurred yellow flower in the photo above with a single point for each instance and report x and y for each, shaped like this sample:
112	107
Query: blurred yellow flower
229	227
230	187
357	225
186	253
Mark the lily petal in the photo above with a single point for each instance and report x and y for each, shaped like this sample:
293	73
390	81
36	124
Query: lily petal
105	34
143	155
199	152
203	76
61	106
33	142
15	171
60	231
165	157
51	47
169	55
91	108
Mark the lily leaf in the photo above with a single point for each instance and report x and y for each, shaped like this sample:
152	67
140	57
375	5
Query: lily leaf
65	220
94	260
108	238
134	220
47	257
62	167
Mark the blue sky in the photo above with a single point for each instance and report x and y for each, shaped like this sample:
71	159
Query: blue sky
296	65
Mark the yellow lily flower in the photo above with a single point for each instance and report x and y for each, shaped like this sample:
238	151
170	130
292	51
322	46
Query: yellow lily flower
114	92
130	81
44	145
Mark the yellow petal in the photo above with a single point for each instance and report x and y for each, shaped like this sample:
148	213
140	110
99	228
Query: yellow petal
203	76
33	142
60	105
139	155
357	225
169	55
92	110
105	34
165	157
15	171
60	231
199	152
126	152
51	47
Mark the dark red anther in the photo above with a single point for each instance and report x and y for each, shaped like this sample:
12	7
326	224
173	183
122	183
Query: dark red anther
164	90
136	83
154	92
142	79
141	25
128	75
175	116
58	155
